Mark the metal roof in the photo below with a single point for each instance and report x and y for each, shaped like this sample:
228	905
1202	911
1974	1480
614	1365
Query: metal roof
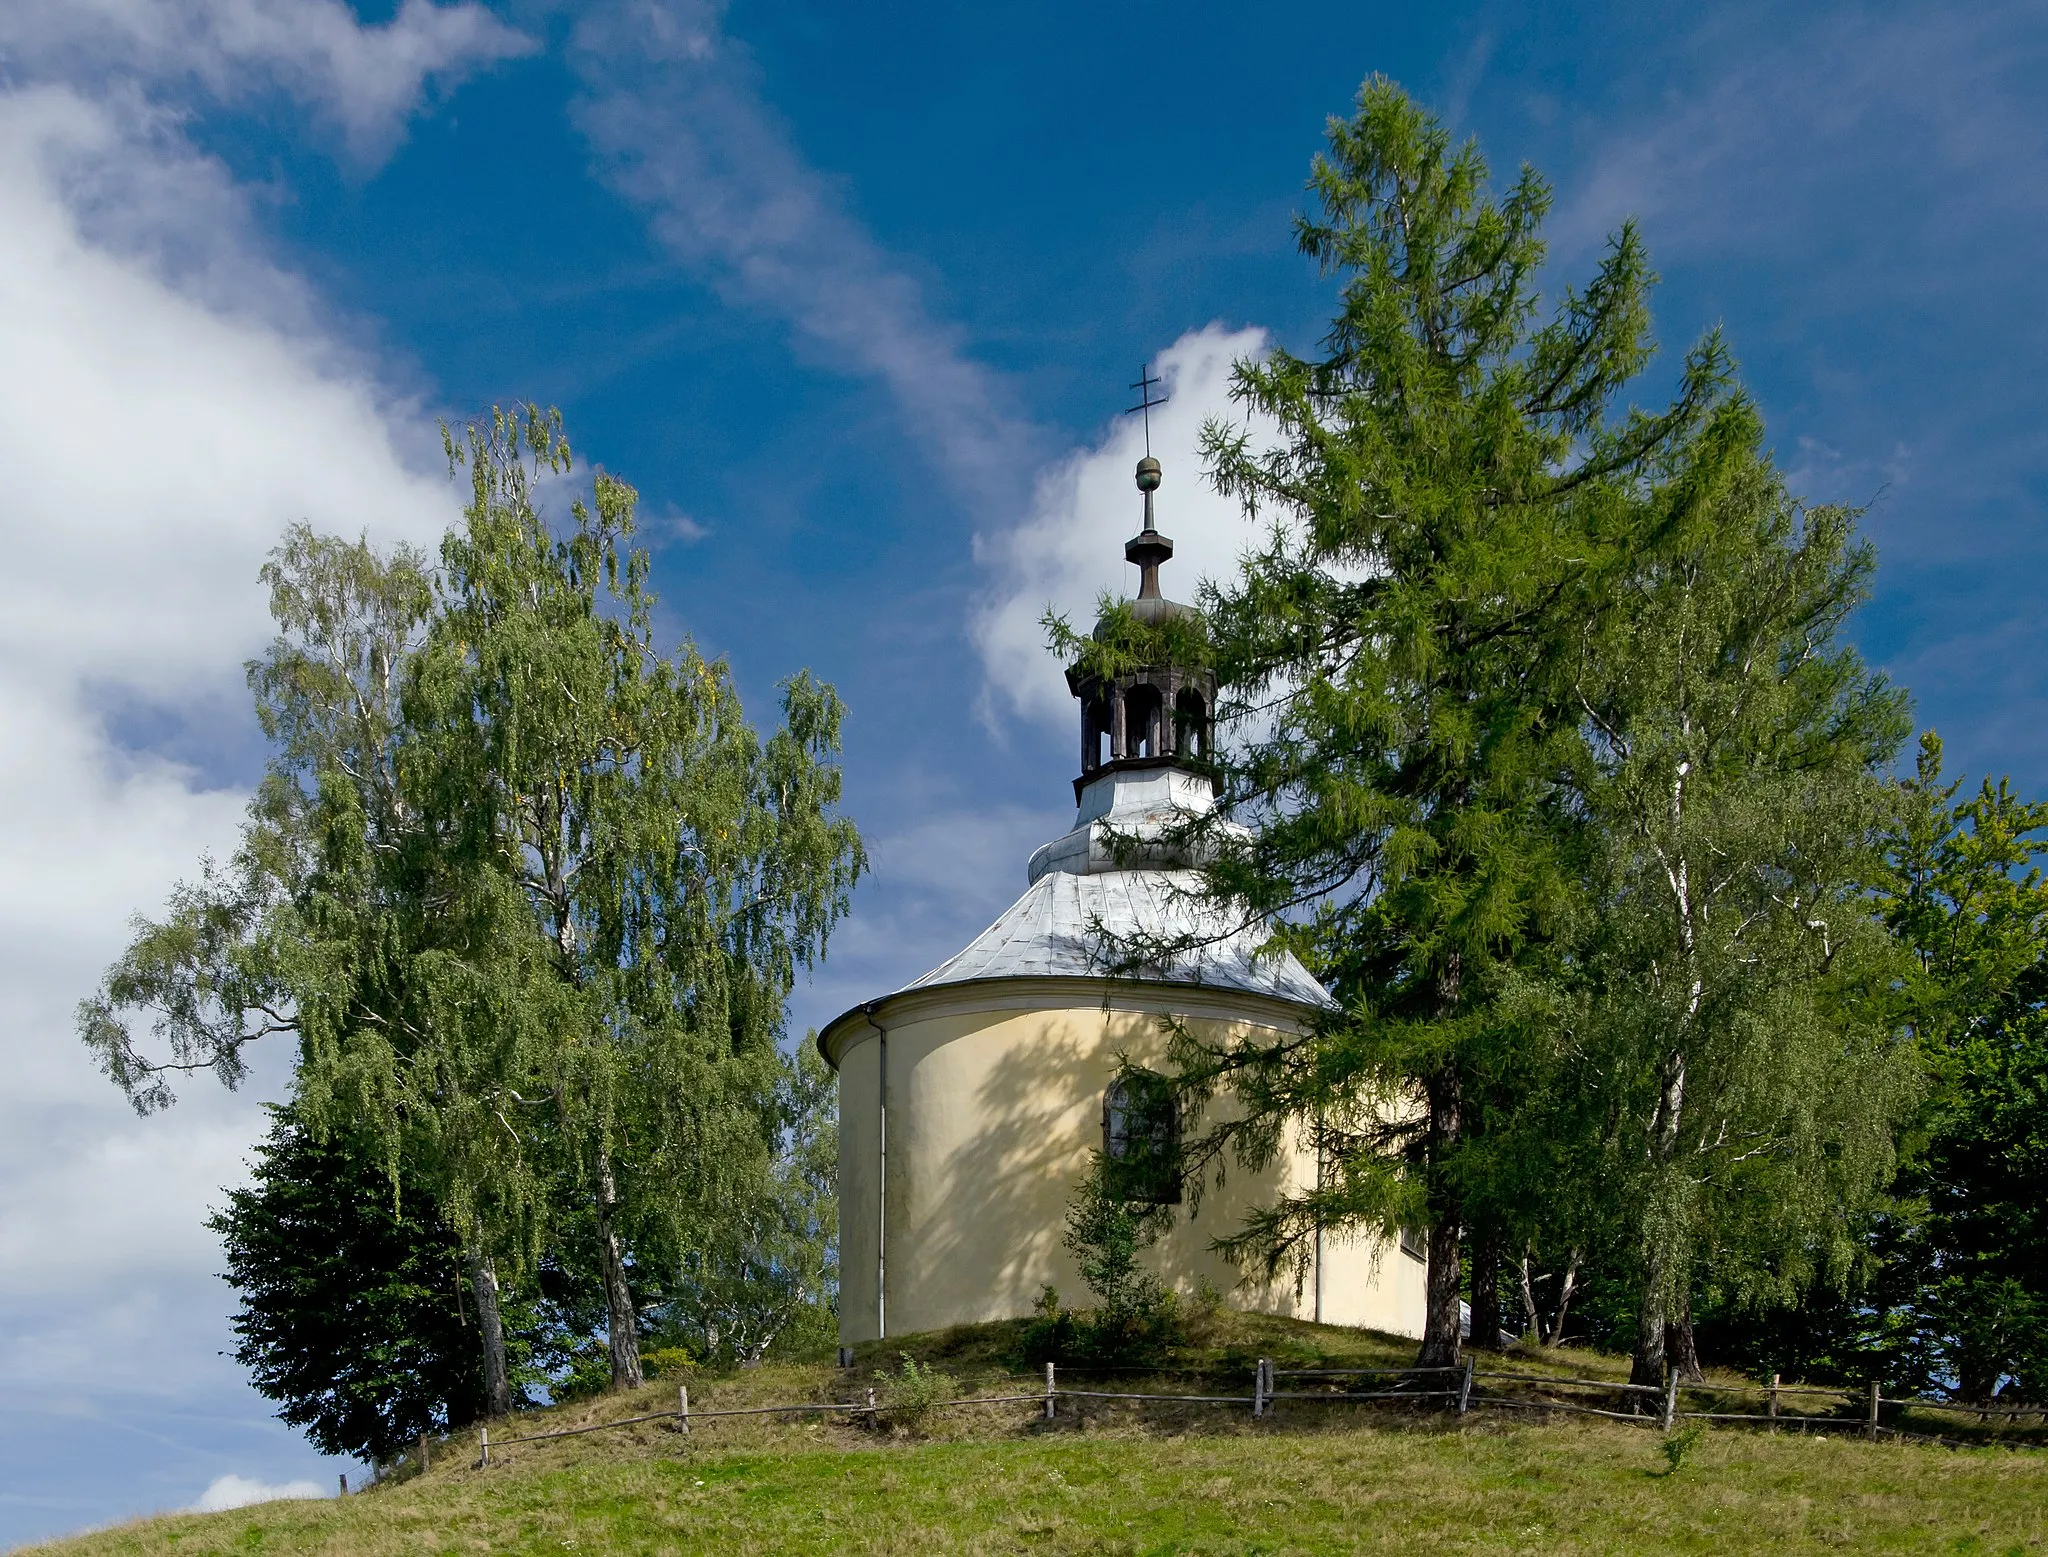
1068	925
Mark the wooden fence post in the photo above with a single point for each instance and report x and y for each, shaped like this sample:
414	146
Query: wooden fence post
1873	1410
1048	1392
483	1446
871	1411
683	1405
344	1483
1465	1386
1671	1400
426	1459
1259	1389
1774	1402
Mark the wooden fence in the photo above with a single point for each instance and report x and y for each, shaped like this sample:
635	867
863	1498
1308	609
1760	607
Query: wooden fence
1462	1390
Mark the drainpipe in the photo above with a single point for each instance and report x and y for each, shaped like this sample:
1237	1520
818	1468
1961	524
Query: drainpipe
1319	1218
867	1010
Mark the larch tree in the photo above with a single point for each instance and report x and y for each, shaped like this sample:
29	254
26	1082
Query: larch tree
1450	488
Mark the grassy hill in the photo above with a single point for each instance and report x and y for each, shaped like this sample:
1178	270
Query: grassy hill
1116	1477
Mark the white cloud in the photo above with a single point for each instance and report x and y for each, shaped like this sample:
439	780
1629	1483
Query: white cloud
672	108
1069	549
232	1491
155	445
365	81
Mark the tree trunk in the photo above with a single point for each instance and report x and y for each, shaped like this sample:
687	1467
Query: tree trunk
1440	1320
1567	1289
1649	1362
490	1327
618	1292
1679	1349
1447	1209
1486	1262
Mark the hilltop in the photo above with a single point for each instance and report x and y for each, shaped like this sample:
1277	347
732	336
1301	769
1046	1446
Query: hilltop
1116	1477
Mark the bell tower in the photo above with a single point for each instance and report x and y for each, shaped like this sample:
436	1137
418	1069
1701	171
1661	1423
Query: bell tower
1156	716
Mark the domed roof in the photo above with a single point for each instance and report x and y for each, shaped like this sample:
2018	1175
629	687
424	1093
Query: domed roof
1069	925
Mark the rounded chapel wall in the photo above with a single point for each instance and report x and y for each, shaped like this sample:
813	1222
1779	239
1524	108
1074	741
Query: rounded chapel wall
992	1115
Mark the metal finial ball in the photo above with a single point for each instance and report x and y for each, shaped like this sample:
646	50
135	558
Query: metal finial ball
1148	474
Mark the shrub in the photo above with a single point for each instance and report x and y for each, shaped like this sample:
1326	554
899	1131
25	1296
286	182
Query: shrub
1135	1316
667	1362
1050	1334
909	1396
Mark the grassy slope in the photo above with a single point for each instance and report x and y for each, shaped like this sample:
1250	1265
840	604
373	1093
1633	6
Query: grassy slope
993	1479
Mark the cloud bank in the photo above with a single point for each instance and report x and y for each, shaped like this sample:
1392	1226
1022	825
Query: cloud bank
171	403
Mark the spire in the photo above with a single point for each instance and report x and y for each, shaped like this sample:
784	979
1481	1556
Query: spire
1148	548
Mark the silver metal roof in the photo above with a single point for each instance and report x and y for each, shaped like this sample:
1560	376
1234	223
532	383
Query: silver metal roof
1068	925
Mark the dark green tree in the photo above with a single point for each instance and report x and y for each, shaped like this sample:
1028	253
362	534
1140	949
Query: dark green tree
1964	1296
354	1314
1449	490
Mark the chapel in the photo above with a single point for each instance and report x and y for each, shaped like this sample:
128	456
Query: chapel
971	1099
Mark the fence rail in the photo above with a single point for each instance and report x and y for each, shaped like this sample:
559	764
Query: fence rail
1468	1393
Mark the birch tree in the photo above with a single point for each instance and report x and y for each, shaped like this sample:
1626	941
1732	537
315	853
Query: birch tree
1739	1022
676	871
340	925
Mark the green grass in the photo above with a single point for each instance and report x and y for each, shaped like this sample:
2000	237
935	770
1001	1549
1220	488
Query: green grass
1143	1480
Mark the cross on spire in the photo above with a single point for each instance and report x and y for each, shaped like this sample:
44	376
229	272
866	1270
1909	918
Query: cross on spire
1144	387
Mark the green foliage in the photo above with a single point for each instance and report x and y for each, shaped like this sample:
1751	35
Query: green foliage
1135	1315
1965	1290
910	1395
1736	1029
1052	1332
766	1281
668	1362
530	893
1449	492
1123	642
1680	1442
354	1311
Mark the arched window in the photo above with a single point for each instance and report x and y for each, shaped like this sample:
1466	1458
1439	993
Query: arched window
1141	722
1141	1138
1191	723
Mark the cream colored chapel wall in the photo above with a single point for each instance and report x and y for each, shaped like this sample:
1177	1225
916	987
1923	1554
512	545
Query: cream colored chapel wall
991	1117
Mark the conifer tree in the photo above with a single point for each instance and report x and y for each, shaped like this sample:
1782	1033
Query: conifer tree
353	1313
1450	489
1969	1263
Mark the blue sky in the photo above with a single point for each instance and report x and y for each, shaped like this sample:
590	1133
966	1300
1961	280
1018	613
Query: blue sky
852	295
